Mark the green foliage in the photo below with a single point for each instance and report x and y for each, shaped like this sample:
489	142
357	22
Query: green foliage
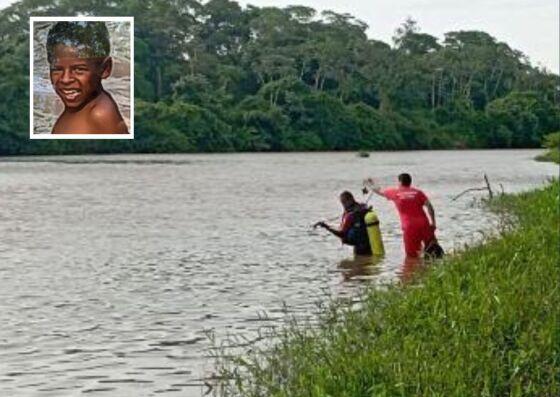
292	79
375	129
482	323
524	118
552	142
181	127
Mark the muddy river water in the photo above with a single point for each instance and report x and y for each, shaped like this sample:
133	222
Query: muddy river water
113	268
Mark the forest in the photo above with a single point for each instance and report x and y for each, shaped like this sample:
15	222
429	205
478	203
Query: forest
217	77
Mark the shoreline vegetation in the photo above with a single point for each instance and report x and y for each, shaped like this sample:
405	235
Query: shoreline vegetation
484	322
545	156
214	76
552	143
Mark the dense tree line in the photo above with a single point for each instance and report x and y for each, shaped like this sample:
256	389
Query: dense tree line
215	76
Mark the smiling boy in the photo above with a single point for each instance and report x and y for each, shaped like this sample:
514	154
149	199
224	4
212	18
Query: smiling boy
79	58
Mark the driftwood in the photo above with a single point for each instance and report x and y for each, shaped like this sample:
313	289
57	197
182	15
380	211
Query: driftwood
487	188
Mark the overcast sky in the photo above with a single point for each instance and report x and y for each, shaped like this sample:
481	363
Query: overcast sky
531	26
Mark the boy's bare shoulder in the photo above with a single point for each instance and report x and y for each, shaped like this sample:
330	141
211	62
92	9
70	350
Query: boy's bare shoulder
104	115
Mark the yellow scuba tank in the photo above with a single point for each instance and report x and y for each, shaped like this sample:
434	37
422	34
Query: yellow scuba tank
374	233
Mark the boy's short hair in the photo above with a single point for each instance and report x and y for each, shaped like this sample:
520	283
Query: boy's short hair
405	179
89	38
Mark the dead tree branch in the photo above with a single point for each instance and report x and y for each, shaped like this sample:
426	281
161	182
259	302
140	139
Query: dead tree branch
487	188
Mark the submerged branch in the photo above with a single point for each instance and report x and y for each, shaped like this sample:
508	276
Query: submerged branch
487	188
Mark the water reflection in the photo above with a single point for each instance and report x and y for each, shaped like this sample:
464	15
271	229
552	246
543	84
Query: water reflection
364	269
360	267
411	269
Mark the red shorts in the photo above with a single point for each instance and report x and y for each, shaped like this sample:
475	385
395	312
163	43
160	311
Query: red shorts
414	237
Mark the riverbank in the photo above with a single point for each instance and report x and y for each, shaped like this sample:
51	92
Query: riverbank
552	142
482	323
552	155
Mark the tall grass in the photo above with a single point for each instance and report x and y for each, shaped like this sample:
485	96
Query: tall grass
482	323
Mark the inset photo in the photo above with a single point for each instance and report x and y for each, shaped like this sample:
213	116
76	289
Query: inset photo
81	78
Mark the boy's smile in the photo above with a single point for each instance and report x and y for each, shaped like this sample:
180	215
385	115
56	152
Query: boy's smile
76	80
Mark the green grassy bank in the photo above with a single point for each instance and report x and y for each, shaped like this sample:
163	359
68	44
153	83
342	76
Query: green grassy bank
482	323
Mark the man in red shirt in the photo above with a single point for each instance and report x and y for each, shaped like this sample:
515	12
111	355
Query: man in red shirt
410	203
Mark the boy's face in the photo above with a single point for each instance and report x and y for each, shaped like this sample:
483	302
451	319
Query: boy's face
77	80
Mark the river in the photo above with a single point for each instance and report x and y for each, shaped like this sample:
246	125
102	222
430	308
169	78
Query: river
113	268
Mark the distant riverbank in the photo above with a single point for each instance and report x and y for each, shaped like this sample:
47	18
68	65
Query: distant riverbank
544	154
483	322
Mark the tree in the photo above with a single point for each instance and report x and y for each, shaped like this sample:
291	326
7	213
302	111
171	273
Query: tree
527	116
214	76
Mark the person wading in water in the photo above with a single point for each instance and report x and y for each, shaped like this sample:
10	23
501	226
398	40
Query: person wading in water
353	229
417	229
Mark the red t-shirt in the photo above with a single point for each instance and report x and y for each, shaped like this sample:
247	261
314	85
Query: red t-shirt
410	202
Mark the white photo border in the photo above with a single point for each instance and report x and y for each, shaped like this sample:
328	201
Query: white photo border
130	134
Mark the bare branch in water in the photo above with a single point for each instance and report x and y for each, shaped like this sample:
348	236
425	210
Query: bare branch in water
487	188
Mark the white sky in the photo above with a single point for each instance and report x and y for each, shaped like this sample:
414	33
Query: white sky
531	26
